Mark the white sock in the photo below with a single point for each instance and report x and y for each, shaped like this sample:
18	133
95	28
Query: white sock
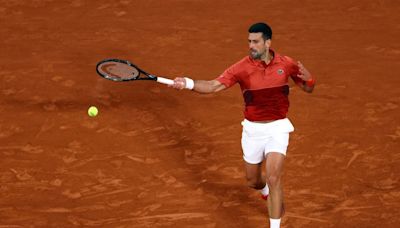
265	190
275	223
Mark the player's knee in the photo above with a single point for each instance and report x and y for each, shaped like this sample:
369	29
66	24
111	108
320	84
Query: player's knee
274	181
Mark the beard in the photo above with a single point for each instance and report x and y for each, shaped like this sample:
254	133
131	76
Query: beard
255	54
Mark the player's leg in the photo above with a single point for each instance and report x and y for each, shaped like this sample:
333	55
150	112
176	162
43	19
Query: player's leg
274	167
253	147
275	156
253	156
253	175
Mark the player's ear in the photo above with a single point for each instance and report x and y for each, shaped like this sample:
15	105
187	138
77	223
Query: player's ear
268	43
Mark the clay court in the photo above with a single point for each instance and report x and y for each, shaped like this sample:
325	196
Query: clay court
157	157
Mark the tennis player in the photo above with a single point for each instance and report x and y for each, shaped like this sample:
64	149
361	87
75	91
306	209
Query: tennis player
263	78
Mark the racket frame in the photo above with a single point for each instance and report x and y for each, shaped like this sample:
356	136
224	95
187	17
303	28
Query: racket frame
149	76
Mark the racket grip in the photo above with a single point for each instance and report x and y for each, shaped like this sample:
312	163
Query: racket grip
165	81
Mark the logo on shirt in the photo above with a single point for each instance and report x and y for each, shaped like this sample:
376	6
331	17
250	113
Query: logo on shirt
280	71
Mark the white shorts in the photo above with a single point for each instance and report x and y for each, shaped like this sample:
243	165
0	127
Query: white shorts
258	139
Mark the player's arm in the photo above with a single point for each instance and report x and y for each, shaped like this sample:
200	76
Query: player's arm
211	86
200	86
227	79
304	79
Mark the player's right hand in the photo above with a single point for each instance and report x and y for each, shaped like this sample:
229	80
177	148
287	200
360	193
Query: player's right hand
179	83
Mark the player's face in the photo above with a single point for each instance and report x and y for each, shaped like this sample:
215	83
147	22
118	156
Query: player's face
258	47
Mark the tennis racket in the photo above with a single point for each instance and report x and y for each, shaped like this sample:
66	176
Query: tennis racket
122	70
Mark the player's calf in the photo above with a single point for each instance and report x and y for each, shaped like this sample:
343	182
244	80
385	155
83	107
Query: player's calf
255	183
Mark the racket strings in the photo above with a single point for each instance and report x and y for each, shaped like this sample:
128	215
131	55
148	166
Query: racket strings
118	71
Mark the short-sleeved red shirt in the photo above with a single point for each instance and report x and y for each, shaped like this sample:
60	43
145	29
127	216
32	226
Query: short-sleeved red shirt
264	86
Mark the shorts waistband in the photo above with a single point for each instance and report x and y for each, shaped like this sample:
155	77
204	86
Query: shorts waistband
246	121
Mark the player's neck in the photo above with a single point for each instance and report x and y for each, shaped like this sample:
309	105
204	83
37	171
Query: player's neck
267	58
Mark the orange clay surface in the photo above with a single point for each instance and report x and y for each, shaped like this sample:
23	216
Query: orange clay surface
157	157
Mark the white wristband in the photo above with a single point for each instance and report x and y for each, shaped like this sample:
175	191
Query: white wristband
189	83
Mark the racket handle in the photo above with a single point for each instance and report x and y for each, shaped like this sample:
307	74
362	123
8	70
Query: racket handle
165	81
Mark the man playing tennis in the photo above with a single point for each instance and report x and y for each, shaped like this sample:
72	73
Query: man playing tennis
263	78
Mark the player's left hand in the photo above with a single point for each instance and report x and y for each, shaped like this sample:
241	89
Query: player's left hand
303	72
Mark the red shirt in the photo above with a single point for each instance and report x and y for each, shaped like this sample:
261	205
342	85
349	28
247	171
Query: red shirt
264	86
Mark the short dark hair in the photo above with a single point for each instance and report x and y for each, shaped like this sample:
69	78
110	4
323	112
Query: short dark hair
263	28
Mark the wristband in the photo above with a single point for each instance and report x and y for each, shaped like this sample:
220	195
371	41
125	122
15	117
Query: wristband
310	83
189	83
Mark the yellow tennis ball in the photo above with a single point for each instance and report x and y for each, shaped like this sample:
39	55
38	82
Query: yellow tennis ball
93	111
